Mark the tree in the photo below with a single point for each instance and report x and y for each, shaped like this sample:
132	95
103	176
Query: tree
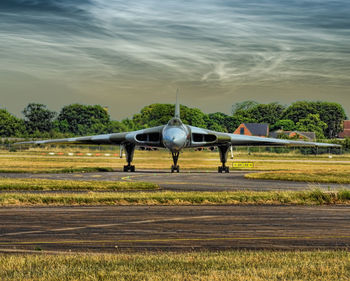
244	116
267	113
154	115
221	122
284	124
216	122
159	114
10	126
193	117
312	123
243	106
231	124
38	118
331	113
116	127
299	110
81	119
259	113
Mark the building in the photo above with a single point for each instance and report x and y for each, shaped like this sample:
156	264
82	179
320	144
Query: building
310	136
253	129
346	132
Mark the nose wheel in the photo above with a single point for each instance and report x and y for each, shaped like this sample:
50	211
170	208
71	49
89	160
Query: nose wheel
175	167
223	169
129	168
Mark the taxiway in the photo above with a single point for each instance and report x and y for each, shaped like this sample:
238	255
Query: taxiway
188	180
174	228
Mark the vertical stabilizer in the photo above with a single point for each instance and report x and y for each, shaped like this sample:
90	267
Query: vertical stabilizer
177	105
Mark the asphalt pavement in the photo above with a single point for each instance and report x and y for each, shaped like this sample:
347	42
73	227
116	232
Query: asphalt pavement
173	228
188	180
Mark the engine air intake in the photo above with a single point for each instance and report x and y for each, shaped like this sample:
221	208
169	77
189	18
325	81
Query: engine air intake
152	137
203	137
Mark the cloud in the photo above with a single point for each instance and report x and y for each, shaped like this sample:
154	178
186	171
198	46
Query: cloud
226	44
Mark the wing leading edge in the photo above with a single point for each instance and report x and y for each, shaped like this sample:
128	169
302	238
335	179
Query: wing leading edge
117	138
242	140
203	137
149	137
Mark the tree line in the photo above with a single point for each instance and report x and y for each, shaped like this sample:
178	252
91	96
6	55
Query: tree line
323	118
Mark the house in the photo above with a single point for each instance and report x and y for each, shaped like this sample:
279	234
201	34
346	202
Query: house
253	129
310	136
346	132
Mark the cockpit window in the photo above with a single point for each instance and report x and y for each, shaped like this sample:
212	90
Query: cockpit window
175	122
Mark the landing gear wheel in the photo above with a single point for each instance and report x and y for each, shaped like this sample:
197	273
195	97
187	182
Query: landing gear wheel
222	169
175	168
130	168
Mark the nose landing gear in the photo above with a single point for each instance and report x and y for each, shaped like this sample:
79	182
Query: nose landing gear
175	167
223	168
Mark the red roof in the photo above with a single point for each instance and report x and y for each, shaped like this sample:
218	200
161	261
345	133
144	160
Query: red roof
345	134
346	124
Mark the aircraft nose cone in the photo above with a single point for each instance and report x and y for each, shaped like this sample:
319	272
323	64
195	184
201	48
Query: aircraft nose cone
179	141
174	139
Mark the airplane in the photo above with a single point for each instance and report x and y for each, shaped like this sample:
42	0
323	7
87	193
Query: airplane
176	136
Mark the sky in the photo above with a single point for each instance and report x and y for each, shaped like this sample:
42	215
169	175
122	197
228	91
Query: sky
128	54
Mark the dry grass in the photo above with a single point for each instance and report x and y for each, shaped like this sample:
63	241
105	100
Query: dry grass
230	265
10	184
340	176
201	160
314	197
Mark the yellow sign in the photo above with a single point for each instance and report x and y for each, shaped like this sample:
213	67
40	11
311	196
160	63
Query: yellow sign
242	165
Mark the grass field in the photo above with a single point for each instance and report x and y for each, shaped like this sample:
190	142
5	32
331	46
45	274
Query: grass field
33	162
315	197
285	167
8	184
322	176
230	265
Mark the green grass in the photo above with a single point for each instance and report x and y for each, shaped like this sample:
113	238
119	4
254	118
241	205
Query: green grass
314	197
61	171
305	176
10	184
230	265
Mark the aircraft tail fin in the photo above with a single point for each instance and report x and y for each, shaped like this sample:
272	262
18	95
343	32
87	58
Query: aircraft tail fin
177	105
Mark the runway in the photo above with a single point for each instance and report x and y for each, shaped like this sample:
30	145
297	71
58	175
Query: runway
173	228
188	180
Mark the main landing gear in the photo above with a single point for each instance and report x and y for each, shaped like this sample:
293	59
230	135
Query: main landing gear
129	149
175	167
223	150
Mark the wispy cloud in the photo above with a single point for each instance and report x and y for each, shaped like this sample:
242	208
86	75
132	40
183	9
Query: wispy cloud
223	42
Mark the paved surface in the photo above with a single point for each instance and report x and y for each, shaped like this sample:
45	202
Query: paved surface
189	181
174	228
